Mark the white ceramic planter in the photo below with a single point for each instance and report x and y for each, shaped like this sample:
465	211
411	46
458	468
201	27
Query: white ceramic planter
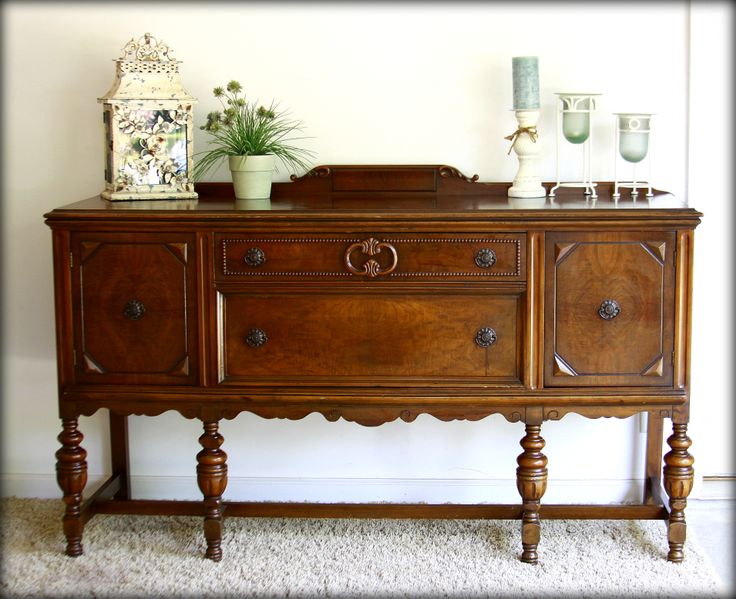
252	176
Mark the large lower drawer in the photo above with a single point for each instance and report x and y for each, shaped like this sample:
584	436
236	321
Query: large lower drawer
394	336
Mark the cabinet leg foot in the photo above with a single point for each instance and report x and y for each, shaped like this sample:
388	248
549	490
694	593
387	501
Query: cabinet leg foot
212	480
678	482
531	481
71	475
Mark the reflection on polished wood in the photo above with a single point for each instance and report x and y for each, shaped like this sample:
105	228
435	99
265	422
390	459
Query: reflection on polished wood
375	293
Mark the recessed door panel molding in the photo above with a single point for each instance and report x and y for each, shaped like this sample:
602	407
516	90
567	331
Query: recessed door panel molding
134	320
610	309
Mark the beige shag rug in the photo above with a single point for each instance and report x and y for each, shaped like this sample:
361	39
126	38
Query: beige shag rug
162	556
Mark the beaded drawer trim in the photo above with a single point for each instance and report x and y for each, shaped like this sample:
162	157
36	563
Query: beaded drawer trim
349	240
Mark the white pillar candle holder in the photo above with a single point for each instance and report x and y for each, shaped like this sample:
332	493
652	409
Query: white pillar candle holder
573	125
527	183
632	133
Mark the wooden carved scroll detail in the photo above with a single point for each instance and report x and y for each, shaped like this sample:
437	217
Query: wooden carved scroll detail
371	268
450	171
319	171
513	416
594	412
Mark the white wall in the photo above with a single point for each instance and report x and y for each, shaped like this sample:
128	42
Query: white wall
710	187
375	83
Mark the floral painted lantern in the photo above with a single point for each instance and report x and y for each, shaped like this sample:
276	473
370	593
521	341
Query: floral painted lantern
148	126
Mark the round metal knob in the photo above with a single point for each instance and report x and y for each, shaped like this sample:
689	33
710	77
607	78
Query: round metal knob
485	337
134	310
256	337
255	257
485	258
609	309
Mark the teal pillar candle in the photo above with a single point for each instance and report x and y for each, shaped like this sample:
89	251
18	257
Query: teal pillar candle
525	71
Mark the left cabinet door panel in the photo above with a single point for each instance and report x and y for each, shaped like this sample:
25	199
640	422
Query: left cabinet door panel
134	307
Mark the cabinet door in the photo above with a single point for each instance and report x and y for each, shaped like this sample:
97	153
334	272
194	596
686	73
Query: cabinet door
609	309
134	308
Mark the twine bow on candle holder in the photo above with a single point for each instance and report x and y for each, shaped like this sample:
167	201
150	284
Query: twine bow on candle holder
530	131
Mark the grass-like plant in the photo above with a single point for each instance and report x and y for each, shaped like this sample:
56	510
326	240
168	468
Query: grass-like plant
244	128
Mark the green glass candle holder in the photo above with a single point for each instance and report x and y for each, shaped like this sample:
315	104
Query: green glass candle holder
574	127
632	132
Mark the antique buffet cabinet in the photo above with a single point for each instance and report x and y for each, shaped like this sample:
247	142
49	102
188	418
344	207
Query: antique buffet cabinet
372	293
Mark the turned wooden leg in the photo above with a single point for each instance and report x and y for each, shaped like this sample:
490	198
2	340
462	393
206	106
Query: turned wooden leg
212	480
531	481
678	482
71	474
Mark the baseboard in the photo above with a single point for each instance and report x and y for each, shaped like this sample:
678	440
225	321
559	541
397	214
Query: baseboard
718	487
346	490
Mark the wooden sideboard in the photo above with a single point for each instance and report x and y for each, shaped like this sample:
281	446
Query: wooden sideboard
372	293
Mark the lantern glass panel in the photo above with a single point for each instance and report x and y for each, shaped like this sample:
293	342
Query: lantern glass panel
107	118
152	145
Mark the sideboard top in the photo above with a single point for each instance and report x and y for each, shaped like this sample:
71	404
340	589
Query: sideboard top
395	192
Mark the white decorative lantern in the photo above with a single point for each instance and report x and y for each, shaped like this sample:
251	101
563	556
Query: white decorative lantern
148	126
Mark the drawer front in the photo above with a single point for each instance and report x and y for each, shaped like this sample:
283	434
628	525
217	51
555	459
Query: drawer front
610	309
386	257
345	336
134	309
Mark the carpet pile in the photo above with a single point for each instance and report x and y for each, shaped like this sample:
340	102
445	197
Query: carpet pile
162	556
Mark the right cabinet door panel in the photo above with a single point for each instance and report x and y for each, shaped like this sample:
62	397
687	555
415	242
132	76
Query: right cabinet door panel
609	309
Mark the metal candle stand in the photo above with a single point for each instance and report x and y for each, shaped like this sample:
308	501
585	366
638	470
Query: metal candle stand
632	132
573	123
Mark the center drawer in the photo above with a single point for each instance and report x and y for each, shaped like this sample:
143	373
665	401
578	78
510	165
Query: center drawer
392	336
365	257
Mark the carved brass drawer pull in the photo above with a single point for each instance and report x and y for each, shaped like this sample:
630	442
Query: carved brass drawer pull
485	337
134	310
256	337
609	309
485	258
255	257
371	267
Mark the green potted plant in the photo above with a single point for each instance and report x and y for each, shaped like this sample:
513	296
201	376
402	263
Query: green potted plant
252	138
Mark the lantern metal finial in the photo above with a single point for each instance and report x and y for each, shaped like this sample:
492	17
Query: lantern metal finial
146	48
